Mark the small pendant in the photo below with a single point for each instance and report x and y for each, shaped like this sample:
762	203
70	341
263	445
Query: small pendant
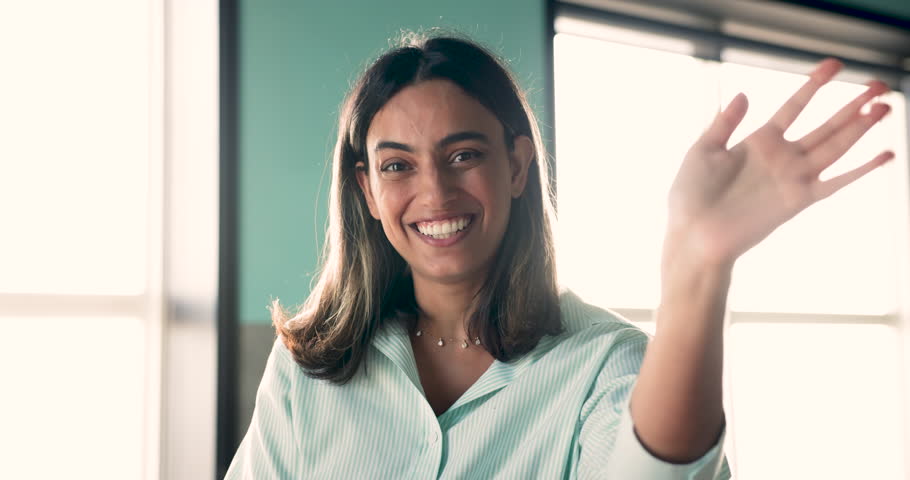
464	344
419	332
477	341
439	342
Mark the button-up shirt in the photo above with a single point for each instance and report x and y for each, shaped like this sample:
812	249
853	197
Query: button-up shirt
560	411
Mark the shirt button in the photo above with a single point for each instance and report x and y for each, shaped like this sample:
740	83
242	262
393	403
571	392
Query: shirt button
432	437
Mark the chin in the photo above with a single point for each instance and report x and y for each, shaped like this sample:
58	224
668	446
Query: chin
447	275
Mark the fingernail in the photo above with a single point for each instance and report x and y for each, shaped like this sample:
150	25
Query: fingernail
876	82
885	112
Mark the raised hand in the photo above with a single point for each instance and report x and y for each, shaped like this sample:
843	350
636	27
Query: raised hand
725	201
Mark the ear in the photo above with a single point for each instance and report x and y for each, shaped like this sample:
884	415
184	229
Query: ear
519	160
363	179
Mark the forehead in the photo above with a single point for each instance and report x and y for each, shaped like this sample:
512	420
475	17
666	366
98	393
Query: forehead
424	113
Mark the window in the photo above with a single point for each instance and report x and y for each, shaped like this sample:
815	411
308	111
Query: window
109	248
814	364
80	244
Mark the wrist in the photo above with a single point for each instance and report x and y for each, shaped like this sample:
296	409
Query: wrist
693	285
687	253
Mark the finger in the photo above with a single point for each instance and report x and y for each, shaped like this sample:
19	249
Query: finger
791	109
842	117
726	121
838	144
826	188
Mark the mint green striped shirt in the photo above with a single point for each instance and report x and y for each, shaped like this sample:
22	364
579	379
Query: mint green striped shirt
560	411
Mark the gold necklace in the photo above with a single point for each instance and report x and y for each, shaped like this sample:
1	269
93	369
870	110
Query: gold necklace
441	343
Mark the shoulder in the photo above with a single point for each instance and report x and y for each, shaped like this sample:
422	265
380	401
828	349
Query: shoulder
286	379
599	332
280	352
596	343
282	371
280	365
578	316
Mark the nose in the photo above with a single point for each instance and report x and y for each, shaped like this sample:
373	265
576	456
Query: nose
438	187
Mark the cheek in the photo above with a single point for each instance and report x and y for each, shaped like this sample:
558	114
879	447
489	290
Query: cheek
494	191
390	204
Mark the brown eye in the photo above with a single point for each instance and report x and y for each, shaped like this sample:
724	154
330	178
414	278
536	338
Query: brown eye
464	156
394	167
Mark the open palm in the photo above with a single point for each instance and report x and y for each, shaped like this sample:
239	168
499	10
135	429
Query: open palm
728	200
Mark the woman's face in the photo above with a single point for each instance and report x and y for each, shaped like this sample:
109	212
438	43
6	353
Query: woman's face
441	180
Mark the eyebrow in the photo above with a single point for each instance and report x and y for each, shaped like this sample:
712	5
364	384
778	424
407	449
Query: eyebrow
448	140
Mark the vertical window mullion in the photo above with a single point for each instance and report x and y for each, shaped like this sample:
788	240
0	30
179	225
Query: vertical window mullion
155	307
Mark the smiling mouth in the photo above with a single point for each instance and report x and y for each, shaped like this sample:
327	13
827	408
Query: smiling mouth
443	229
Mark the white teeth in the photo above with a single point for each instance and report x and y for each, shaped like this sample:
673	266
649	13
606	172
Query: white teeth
442	230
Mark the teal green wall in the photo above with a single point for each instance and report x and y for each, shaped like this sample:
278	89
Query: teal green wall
297	59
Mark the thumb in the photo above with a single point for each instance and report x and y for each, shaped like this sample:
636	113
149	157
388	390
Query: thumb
726	121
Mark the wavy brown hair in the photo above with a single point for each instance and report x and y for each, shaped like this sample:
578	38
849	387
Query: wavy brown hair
364	281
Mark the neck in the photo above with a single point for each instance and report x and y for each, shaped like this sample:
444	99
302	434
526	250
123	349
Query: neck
444	307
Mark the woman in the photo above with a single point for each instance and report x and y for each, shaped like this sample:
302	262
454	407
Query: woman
437	343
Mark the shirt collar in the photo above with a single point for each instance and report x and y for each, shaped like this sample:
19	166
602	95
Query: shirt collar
391	339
